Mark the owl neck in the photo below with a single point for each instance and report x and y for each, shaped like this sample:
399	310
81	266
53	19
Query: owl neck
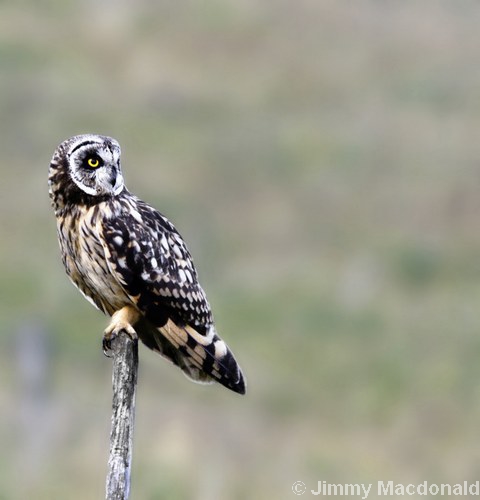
65	198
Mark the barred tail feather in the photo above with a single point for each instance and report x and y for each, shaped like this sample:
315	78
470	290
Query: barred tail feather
202	358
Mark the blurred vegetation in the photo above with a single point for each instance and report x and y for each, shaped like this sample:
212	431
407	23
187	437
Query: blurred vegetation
321	158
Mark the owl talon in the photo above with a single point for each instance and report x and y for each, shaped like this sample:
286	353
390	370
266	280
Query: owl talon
107	346
118	324
108	336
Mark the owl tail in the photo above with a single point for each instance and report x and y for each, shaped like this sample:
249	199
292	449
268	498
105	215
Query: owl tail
202	358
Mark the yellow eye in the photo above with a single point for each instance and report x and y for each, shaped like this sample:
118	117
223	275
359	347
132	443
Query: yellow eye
93	162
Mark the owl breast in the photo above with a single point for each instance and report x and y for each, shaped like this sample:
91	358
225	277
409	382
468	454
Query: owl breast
85	261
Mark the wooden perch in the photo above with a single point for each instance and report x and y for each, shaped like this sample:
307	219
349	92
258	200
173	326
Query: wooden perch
124	381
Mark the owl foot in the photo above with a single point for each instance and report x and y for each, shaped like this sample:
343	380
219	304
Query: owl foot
121	322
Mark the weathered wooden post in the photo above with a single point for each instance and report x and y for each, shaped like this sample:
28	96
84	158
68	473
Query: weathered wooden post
124	381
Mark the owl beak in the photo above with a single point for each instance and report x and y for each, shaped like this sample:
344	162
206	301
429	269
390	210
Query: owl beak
117	184
110	182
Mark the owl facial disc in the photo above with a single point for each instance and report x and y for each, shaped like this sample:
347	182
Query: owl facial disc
94	165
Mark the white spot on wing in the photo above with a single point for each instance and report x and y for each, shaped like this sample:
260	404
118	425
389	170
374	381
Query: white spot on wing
178	252
182	276
118	240
122	262
164	243
220	349
134	213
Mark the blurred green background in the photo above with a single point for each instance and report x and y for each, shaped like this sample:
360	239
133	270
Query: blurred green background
322	160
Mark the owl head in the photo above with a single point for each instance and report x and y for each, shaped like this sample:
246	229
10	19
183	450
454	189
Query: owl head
85	168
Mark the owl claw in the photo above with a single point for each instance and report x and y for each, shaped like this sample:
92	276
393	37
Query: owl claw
107	347
112	331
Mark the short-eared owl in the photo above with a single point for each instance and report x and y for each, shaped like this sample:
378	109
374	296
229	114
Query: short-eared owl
132	264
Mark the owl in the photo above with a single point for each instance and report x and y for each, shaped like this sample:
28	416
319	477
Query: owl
130	262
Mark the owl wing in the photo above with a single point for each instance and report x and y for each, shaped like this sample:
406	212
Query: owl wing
149	259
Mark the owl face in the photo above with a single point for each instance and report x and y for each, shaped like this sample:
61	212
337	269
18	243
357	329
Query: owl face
93	164
85	167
